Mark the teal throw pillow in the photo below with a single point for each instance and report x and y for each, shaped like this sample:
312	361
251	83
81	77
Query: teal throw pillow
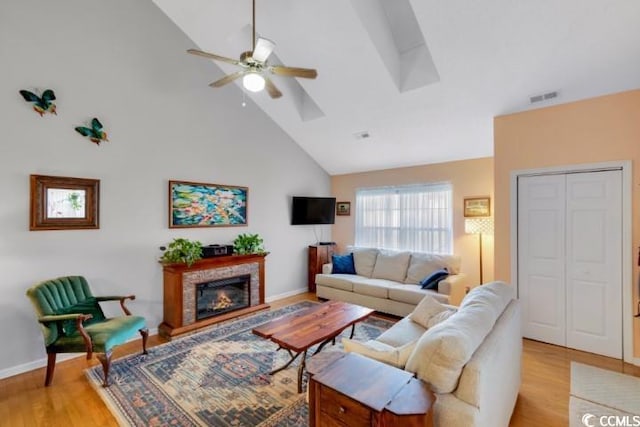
343	264
432	280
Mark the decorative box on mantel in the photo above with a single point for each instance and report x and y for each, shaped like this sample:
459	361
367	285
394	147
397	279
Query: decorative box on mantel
211	290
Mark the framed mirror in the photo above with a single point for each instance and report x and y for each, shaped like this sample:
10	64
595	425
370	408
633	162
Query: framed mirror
63	203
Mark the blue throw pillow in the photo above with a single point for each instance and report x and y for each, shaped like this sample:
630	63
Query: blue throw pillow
432	280
343	264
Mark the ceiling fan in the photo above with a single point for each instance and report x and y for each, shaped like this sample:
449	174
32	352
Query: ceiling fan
255	70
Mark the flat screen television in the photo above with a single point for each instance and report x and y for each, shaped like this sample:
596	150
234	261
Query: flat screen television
313	210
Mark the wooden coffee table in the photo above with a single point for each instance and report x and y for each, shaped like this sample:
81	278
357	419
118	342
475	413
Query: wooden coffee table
299	331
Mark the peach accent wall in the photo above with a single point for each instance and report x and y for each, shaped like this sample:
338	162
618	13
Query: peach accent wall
596	130
468	178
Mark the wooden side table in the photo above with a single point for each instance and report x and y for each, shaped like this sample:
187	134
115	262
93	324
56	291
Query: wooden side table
318	256
355	391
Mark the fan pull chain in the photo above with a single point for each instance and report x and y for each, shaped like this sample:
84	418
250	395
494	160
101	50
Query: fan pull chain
244	98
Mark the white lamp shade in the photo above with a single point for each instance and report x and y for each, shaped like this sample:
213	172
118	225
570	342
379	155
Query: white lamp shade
263	49
480	225
253	82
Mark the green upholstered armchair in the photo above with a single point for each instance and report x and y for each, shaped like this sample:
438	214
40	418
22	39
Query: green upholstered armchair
73	322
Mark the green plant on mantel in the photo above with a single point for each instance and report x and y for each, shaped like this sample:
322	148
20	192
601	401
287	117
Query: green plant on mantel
246	244
183	250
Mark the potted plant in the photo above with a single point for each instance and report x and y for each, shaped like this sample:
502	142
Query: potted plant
246	244
182	250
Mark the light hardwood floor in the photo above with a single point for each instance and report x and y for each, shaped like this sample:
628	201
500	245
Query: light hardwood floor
70	401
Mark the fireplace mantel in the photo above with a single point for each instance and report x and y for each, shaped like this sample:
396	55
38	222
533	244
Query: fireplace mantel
180	282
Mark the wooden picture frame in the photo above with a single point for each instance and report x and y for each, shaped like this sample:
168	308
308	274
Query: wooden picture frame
477	207
197	204
343	208
63	203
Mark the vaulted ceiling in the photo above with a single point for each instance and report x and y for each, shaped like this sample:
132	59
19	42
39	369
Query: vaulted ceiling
423	78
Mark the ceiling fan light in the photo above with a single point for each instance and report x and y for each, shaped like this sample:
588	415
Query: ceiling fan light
253	82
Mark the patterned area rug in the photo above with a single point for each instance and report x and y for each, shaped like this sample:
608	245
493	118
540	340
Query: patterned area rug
219	377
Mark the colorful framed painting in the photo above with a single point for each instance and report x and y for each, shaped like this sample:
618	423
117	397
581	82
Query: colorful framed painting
343	208
195	204
63	203
477	206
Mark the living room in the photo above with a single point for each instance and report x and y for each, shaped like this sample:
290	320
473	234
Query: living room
125	63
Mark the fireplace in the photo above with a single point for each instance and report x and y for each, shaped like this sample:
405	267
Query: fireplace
180	292
222	296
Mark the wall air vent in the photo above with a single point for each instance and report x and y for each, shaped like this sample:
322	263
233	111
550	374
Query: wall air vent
543	97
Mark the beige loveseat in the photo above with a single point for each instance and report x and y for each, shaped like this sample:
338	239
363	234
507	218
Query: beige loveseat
469	356
387	281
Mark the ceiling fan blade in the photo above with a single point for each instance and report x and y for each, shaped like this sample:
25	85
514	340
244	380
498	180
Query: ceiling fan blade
263	49
306	73
272	89
214	56
227	79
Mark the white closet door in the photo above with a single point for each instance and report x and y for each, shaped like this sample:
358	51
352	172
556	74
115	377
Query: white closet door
594	266
541	257
570	260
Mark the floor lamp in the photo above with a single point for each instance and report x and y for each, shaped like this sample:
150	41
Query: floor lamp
479	226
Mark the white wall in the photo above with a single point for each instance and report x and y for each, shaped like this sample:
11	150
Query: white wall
124	62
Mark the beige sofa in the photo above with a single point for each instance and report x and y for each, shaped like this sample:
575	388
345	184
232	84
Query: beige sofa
469	356
387	281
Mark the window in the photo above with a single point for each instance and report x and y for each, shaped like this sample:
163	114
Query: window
412	217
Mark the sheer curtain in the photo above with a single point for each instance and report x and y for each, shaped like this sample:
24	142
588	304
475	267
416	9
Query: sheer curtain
414	217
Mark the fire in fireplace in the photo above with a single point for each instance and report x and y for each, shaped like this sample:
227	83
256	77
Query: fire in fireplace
222	296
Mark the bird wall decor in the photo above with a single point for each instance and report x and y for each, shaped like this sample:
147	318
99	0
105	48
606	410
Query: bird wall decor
95	133
41	104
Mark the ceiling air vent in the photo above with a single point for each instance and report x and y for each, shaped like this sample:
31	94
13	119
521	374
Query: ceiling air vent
543	97
362	135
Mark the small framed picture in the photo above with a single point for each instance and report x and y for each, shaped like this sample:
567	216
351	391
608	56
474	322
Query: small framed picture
477	206
343	208
63	203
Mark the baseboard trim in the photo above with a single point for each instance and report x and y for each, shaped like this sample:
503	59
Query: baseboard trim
286	294
36	364
41	363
